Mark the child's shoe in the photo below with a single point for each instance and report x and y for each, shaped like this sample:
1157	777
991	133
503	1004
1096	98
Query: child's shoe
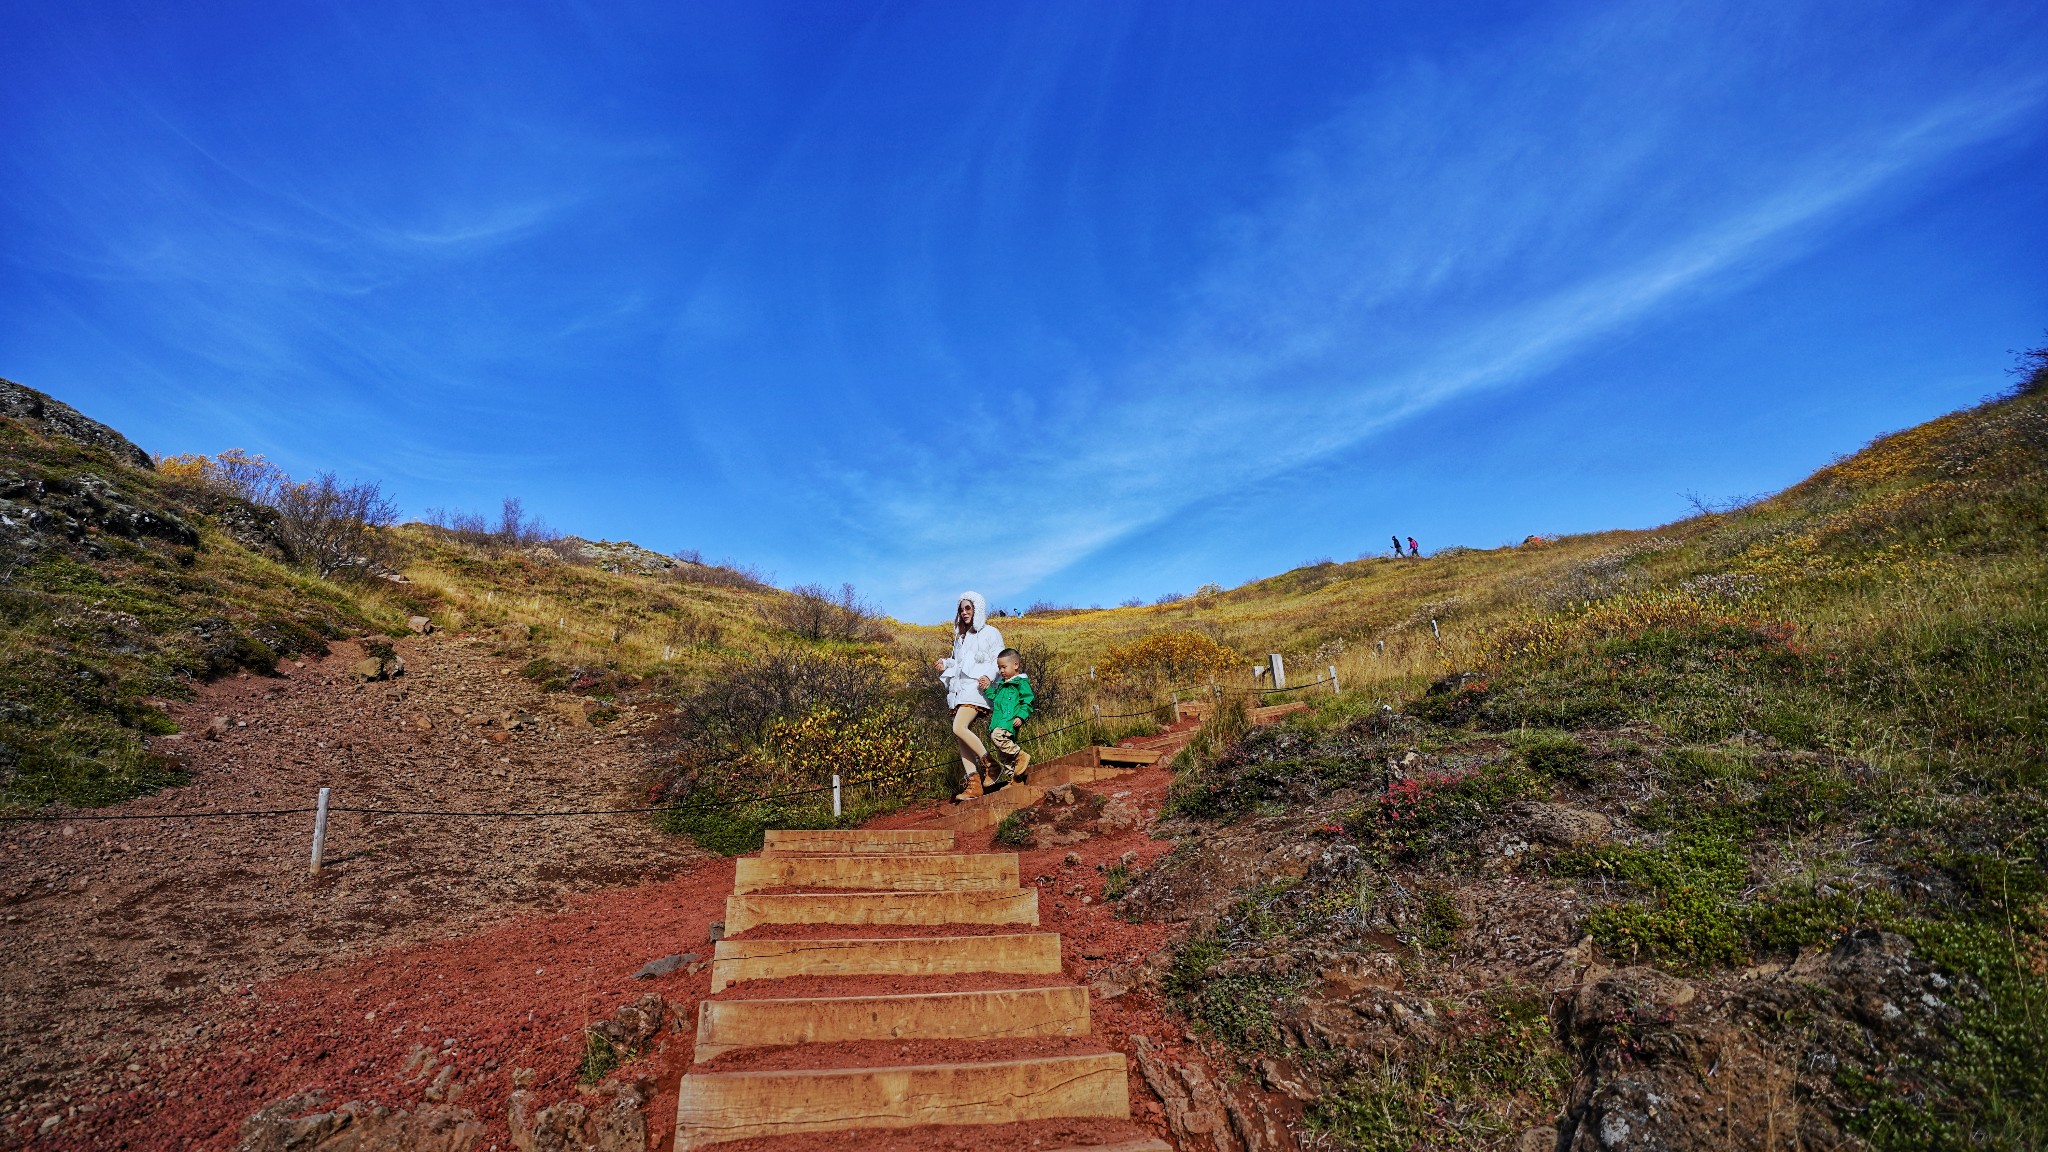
973	791
1022	766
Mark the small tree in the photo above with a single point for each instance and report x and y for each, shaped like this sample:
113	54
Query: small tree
2031	366
814	612
333	526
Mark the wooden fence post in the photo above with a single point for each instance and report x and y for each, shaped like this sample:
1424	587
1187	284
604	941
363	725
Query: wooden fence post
319	830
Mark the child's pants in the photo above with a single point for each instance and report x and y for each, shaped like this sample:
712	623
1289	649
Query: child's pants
1005	742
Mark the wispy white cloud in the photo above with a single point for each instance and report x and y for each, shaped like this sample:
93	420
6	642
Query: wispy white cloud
1433	241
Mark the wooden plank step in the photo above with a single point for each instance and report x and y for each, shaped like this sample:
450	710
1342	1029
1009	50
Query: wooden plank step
1147	1144
989	810
723	1025
927	872
1274	712
1017	953
1010	907
858	841
712	1107
1131	756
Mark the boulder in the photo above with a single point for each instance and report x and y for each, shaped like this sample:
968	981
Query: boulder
1559	824
420	624
665	965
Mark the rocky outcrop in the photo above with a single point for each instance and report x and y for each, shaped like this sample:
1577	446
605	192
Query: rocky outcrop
1206	1116
608	1119
622	556
56	418
37	511
1667	1064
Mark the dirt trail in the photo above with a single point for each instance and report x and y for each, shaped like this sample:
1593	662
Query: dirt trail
131	941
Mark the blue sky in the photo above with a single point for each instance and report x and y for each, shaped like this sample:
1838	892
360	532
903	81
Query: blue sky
1074	301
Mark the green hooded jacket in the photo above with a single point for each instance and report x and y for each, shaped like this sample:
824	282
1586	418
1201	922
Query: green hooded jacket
1009	701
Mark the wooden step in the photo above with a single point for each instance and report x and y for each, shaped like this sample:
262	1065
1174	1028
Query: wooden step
1271	713
1019	954
723	1025
858	841
988	811
929	872
1147	1144
711	1107
1129	756
1017	906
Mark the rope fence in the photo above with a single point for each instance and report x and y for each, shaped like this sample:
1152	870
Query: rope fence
323	809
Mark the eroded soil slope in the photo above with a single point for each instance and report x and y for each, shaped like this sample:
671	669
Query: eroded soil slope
129	941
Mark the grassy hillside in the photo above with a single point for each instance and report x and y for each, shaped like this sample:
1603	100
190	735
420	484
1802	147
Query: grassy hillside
1793	756
123	585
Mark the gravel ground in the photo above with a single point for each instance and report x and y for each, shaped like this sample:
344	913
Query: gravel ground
129	940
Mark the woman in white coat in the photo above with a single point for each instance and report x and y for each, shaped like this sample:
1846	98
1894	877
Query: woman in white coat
972	665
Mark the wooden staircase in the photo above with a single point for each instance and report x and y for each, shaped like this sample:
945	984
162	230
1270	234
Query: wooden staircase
971	1029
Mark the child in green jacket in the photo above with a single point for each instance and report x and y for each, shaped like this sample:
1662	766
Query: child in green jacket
1009	702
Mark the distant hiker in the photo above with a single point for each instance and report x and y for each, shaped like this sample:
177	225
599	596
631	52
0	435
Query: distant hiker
1009	701
1412	549
970	669
1397	545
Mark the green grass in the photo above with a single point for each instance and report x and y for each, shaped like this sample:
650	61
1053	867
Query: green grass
1477	1084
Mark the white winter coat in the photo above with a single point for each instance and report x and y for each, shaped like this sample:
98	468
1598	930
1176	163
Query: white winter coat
974	656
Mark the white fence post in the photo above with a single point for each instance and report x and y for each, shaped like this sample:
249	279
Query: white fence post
1334	690
835	794
1279	669
320	829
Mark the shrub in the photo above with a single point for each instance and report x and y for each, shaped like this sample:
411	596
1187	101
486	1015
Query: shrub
1184	657
1015	830
816	613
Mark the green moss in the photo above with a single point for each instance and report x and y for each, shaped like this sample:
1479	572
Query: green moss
1014	830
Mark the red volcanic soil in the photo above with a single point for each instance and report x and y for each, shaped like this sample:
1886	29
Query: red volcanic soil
448	993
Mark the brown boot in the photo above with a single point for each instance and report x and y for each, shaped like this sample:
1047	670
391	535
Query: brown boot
1022	766
973	790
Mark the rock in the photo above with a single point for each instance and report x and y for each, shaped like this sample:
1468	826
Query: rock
216	728
717	931
665	965
618	1125
1206	1116
303	1123
1559	824
420	624
1064	794
1073	859
1283	1077
1194	1108
1635	996
56	418
1543	1139
1107	987
368	668
632	1026
1118	815
497	736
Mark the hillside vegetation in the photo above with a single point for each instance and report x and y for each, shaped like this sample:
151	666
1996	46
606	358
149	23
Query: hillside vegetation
1729	833
125	581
